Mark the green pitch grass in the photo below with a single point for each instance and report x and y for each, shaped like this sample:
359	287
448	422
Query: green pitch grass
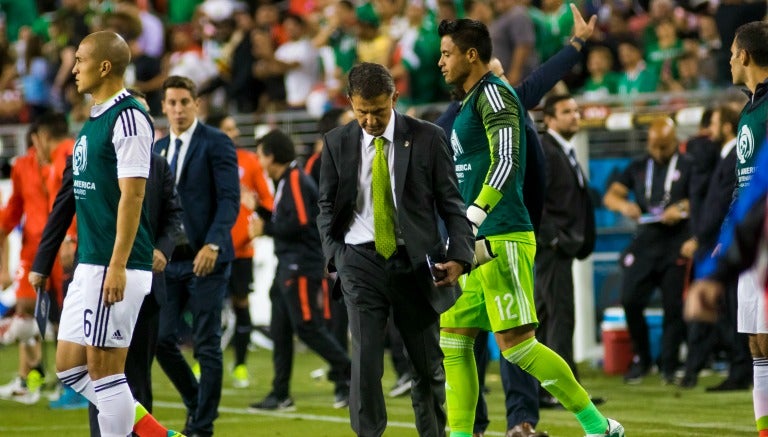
646	410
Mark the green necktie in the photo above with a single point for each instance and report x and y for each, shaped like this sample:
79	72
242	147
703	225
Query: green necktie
383	206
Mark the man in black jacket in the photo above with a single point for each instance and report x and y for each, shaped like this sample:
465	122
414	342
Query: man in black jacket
295	292
567	229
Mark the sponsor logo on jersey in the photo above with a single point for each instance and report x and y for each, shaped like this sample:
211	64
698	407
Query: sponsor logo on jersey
746	145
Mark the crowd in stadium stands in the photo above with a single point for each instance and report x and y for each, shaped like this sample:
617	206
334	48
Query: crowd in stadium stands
257	55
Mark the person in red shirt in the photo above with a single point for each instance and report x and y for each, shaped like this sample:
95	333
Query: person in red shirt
34	187
254	191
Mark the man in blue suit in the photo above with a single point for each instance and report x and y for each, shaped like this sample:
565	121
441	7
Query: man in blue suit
204	162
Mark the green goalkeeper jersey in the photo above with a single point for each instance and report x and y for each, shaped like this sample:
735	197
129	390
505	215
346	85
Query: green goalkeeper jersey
488	141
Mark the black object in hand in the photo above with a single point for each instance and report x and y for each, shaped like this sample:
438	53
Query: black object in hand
437	274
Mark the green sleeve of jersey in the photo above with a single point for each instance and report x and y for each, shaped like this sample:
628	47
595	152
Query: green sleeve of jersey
501	115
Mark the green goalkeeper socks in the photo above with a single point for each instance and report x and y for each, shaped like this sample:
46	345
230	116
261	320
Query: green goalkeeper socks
557	378
461	385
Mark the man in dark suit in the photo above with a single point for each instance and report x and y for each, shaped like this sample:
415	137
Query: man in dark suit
377	235
706	228
204	163
567	228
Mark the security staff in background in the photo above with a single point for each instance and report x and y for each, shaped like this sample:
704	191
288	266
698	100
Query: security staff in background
660	182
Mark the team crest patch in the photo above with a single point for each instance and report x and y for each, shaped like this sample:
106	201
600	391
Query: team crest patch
80	156
746	144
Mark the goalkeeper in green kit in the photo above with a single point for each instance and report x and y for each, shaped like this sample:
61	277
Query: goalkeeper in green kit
488	141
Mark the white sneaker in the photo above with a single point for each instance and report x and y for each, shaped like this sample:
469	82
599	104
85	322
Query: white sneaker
7	390
17	391
18	329
615	429
26	396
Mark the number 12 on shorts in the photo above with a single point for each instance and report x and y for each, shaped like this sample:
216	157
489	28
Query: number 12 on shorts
505	305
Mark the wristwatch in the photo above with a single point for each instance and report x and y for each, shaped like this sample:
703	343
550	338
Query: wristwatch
213	247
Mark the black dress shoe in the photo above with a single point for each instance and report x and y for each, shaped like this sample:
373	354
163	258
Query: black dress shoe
548	402
688	381
636	373
525	429
729	385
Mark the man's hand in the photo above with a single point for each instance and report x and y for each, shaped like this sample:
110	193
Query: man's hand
114	285
689	248
452	271
672	215
248	198
67	255
581	28
631	210
37	280
255	227
483	252
159	261
205	261
702	301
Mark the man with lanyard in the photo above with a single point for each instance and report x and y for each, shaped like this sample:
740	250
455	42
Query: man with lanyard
660	184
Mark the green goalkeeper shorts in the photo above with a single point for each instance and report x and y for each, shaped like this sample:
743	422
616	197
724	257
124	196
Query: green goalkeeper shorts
498	295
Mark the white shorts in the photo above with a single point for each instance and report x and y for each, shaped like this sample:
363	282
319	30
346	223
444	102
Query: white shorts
86	321
751	315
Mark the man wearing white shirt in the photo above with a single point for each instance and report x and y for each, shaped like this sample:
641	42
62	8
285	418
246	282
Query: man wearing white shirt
299	60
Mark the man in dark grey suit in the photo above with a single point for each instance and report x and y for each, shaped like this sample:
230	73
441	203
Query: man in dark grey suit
377	234
567	229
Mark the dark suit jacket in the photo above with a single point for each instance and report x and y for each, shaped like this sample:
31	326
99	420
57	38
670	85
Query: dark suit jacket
568	221
209	189
160	199
719	196
425	185
705	155
530	92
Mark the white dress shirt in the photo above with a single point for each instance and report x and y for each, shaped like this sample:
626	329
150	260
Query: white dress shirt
570	152
185	137
361	227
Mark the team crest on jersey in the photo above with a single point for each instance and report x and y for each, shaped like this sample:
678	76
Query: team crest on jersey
456	144
746	144
80	156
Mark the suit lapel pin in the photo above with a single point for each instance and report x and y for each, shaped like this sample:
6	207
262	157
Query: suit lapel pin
407	143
